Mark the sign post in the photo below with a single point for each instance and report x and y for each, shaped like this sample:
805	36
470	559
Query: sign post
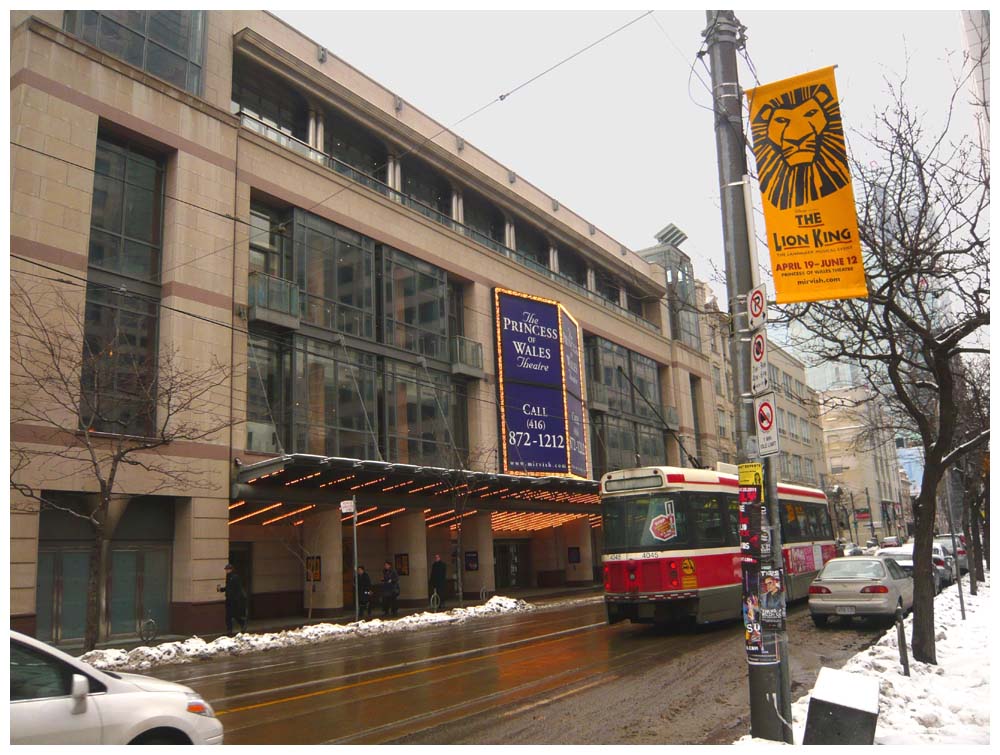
351	507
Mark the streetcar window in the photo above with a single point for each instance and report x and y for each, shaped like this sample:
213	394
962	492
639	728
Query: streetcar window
733	521
630	522
801	522
706	518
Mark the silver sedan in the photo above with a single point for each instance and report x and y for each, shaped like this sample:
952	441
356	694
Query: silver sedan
866	586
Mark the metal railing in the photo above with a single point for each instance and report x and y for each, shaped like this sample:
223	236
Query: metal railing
466	351
275	294
297	145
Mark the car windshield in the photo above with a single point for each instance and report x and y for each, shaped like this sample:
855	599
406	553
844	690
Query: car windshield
853	569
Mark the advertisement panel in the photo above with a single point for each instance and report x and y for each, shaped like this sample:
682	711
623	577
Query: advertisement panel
540	387
806	191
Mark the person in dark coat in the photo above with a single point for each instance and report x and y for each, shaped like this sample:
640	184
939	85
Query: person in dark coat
438	578
390	590
363	584
236	600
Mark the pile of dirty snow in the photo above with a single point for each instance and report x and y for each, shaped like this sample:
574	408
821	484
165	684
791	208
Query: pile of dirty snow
196	649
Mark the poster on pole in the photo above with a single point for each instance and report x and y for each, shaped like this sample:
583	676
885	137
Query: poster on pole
806	191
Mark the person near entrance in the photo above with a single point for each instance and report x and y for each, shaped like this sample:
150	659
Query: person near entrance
363	584
438	578
390	590
236	600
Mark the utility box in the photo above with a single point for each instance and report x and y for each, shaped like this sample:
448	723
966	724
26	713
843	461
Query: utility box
843	709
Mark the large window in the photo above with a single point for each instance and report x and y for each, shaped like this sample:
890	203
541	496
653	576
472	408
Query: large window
334	410
415	296
422	408
269	372
126	222
270	242
699	520
334	267
118	370
426	185
165	43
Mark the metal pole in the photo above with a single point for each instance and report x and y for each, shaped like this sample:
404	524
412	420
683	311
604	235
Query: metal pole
854	516
357	598
871	515
954	548
769	689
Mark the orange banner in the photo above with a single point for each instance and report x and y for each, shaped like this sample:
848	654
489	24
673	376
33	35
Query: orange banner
805	187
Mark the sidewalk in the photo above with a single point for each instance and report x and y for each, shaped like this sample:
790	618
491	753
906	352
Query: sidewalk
540	595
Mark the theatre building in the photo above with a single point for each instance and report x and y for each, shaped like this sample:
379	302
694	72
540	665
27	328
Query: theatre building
386	316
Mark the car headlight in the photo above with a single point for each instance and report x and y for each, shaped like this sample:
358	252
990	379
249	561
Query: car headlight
196	705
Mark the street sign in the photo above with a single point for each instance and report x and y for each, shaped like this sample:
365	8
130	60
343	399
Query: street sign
758	363
347	507
757	307
767	427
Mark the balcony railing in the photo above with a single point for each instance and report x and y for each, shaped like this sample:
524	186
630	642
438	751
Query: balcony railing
297	145
466	357
273	300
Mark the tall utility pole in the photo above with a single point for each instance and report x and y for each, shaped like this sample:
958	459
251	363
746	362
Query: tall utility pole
770	695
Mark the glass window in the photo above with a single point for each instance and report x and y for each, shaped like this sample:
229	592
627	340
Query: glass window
717	380
426	185
573	266
35	675
781	421
126	212
532	244
422	406
415	296
165	43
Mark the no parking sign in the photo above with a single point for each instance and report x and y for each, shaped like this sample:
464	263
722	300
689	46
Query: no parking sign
767	428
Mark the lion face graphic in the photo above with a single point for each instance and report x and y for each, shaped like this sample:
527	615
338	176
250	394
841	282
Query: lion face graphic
798	141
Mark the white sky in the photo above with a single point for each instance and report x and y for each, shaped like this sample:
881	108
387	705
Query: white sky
620	134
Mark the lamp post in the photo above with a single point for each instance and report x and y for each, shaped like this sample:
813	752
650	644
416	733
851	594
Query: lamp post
352	506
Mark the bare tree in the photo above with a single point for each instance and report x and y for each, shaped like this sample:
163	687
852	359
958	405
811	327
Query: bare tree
973	418
923	215
94	413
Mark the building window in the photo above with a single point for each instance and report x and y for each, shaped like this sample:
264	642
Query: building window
781	421
118	373
415	296
717	378
722	422
786	383
270	242
269	382
166	43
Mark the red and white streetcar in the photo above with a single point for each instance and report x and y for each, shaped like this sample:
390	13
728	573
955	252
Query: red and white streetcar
672	549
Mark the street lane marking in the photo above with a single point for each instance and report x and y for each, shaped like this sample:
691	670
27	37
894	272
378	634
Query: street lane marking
547	700
512	645
227	673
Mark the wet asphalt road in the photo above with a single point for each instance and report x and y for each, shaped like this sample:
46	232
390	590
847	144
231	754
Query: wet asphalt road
552	676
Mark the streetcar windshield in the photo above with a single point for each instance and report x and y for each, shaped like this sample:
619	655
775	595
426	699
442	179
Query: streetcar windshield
669	521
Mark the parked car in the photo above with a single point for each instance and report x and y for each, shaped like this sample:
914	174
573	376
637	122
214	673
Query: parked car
903	555
852	549
58	699
961	560
891	542
866	586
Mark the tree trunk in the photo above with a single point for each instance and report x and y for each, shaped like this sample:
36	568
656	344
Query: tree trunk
968	504
94	591
923	642
977	543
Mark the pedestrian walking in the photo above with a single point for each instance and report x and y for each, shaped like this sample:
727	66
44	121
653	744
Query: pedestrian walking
390	590
236	600
363	584
438	579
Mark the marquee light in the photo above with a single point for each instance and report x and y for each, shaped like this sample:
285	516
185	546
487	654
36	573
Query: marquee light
254	513
290	513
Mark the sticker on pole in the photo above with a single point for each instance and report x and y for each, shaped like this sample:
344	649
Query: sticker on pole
767	428
758	363
757	307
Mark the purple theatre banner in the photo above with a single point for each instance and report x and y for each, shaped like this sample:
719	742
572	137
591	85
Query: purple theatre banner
540	387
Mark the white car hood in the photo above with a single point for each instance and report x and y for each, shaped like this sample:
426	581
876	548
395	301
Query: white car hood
151	684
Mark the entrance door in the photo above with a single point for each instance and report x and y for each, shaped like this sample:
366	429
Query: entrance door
513	563
61	594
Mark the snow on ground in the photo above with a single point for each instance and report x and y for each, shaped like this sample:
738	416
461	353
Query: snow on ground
947	703
195	648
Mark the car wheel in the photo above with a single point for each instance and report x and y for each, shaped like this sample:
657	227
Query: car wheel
820	621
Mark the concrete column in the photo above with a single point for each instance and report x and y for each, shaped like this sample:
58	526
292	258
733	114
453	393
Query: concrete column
23	562
311	139
553	259
457	206
477	535
576	534
622	298
320	132
201	549
408	534
591	279
510	238
323	536
392	172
